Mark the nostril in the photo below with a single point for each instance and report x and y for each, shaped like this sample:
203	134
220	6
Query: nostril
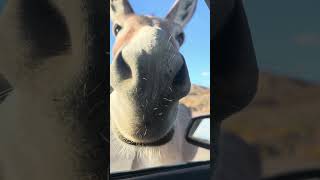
123	69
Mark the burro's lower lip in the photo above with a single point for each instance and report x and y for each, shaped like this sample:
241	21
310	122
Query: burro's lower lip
163	140
138	124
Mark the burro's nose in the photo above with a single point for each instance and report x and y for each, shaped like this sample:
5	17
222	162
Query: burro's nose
151	65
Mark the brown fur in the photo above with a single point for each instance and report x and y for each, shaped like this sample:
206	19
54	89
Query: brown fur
133	23
149	77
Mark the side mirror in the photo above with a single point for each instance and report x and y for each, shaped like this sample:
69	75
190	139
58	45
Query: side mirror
198	132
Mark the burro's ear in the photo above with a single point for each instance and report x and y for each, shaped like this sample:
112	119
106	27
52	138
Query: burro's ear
182	11
119	8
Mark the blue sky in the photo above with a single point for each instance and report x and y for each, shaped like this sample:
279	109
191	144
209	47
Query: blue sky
196	48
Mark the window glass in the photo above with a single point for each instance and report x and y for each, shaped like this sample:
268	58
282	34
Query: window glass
283	120
2	3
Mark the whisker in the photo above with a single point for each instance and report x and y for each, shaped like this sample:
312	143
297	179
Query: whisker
168	99
145	132
137	131
168	45
169	38
172	56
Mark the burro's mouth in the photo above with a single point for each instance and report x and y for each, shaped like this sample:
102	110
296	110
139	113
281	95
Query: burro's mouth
163	140
146	123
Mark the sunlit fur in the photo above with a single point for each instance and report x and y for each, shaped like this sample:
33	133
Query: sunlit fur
149	47
127	157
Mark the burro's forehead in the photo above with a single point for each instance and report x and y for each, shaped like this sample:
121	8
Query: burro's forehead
138	21
132	24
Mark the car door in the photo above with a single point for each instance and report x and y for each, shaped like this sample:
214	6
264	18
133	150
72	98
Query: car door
189	171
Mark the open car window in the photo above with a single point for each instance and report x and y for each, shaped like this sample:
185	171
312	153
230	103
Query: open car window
195	49
282	122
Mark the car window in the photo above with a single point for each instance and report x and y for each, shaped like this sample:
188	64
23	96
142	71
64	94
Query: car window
196	53
283	120
2	2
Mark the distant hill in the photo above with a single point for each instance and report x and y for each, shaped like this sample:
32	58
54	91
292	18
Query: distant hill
198	100
283	121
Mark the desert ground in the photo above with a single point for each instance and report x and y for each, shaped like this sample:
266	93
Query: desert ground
283	122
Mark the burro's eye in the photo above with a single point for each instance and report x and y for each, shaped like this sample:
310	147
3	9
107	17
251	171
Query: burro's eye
116	29
180	38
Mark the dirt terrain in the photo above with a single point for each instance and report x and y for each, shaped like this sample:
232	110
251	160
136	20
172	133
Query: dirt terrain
283	122
198	100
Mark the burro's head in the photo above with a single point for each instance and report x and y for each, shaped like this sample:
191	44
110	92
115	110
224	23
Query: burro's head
148	73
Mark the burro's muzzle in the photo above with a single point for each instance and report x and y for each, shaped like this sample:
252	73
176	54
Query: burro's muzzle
148	77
